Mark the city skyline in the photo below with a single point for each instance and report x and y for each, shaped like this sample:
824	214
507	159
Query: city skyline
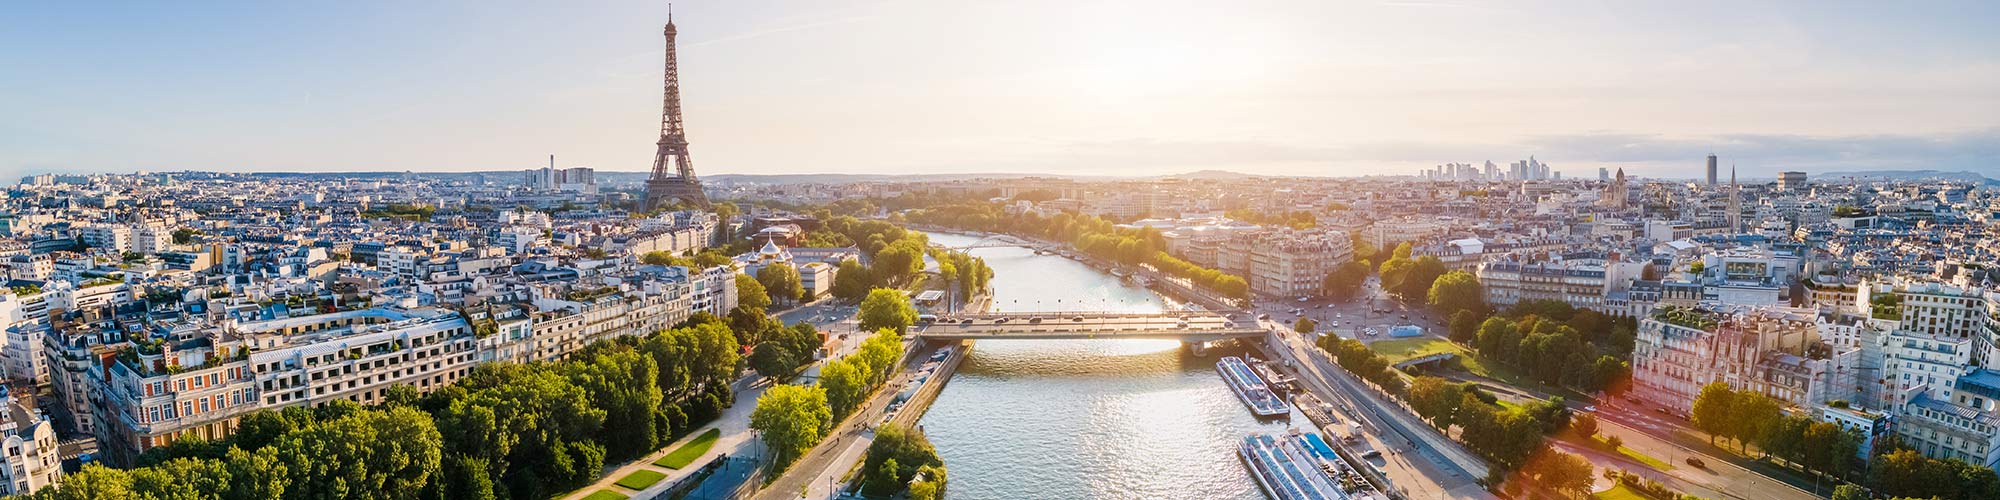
1097	88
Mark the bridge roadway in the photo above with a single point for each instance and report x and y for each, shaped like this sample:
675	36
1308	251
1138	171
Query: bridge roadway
1183	326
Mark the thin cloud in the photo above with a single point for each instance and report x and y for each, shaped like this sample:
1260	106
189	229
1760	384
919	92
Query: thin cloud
786	29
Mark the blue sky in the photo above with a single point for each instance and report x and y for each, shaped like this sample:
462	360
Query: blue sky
1306	87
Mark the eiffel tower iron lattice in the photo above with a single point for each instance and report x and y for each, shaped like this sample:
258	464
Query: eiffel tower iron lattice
673	178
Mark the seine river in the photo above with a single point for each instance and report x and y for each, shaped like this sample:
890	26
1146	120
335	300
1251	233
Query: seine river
1117	419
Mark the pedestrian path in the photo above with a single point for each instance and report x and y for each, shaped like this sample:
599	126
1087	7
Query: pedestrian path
736	439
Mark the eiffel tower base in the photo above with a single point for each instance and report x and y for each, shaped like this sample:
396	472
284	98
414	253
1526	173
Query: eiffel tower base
664	192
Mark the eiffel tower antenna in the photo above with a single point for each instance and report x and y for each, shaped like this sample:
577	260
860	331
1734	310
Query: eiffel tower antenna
673	179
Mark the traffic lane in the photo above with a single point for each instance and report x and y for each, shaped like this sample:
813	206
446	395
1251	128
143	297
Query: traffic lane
1716	473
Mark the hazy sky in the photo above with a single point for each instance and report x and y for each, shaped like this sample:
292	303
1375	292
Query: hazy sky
1312	87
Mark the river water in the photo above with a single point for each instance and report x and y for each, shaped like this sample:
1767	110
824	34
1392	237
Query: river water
1061	419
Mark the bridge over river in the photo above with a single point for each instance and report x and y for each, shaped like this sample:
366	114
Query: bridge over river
1182	326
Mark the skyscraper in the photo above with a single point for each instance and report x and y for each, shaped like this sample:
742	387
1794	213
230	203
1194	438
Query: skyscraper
1711	170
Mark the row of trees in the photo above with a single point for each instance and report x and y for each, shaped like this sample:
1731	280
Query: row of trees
1091	235
1228	285
1356	358
1511	437
1549	351
896	458
1508	436
1751	417
1902	472
963	274
329	453
504	431
700	261
793	418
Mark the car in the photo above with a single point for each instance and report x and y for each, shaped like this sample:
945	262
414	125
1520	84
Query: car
1078	319
1000	321
967	321
1337	315
1335	324
1035	320
1184	317
1590	408
1182	324
1696	462
1302	299
1371	454
1265	317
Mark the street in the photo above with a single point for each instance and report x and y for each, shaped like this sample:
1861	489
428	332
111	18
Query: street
1440	469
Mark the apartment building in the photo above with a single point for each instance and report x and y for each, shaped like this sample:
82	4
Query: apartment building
29	448
155	390
1773	351
1286	263
1963	423
1585	283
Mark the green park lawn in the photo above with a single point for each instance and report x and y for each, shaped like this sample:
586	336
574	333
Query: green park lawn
1399	350
641	479
605	495
1643	458
690	451
1619	492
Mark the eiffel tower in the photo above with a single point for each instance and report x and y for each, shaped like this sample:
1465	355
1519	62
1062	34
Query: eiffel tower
673	173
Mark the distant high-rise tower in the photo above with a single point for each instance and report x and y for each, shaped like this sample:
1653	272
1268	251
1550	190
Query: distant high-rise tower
1711	170
673	173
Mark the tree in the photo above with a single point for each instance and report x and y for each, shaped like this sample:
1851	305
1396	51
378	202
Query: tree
1584	424
887	308
782	282
750	293
884	477
1304	325
726	210
1464	326
791	419
710	258
1422	273
660	258
1850	492
1457	291
846	382
1561	472
851	281
1714	410
899	262
1344	282
1749	414
772	359
1436	400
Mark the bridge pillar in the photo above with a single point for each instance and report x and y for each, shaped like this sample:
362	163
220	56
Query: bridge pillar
1196	347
